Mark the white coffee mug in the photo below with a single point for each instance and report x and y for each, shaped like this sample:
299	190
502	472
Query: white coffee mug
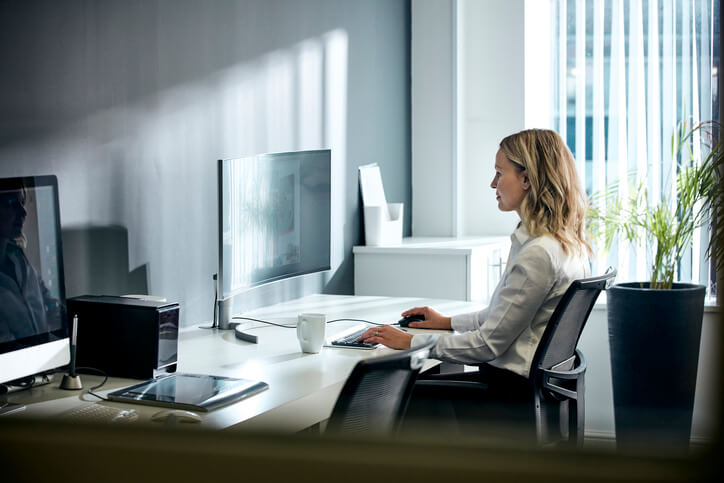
310	332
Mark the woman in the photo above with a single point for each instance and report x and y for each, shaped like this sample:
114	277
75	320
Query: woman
25	303
535	176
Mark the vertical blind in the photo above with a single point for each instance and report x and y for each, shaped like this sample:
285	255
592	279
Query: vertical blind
627	72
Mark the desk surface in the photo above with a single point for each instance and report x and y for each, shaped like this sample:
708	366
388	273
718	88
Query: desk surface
302	387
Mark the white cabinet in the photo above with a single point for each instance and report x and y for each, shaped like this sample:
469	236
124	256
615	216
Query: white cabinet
443	268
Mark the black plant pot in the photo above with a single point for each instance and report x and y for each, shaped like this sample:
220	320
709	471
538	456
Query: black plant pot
654	337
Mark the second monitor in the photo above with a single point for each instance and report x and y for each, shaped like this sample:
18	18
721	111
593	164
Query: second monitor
33	325
274	220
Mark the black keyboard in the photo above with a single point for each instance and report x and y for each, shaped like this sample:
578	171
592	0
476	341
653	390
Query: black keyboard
351	341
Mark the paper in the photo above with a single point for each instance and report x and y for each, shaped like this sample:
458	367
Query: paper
370	179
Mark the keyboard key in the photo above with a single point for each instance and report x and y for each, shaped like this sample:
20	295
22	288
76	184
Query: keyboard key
351	340
97	413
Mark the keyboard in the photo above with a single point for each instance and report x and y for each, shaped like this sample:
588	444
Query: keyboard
96	413
350	340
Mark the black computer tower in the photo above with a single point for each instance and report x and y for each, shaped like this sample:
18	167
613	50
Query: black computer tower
125	337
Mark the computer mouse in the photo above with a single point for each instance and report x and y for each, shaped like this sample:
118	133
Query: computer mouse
173	415
405	321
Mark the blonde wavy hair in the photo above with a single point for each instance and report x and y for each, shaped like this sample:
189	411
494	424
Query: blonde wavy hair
555	204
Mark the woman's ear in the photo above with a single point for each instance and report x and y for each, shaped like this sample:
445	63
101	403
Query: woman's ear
525	181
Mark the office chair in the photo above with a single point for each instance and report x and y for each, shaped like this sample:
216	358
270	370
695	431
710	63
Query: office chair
554	398
375	396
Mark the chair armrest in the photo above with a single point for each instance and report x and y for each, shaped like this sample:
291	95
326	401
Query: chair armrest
574	374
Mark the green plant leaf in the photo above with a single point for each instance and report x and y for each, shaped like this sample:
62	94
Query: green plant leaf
668	227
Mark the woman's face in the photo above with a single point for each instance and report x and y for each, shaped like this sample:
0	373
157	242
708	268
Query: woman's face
511	186
12	214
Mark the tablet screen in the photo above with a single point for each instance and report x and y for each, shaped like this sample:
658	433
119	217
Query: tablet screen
189	391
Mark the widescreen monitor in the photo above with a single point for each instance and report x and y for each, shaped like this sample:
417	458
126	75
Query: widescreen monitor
33	322
274	218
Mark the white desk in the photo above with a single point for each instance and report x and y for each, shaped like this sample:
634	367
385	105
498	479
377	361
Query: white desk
302	387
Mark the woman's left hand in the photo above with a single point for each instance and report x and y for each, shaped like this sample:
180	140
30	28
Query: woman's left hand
387	335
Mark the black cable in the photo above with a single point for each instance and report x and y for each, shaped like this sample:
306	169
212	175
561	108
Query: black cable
27	382
265	322
216	305
105	378
294	326
356	320
214	323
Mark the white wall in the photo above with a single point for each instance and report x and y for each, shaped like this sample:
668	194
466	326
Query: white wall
492	83
434	198
467	94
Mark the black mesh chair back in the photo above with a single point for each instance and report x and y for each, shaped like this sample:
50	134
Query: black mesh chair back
558	368
564	329
375	396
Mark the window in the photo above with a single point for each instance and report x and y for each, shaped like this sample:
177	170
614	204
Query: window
625	73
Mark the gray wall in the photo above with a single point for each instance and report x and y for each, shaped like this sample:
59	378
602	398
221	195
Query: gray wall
130	103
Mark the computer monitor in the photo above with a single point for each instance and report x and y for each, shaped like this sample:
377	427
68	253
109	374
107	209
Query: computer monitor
274	220
33	322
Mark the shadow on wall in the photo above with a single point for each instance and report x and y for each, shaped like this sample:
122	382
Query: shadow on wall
95	260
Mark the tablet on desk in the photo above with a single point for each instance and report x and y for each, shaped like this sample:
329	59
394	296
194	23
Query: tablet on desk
189	391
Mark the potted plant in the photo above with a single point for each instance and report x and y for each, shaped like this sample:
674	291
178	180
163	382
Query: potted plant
655	326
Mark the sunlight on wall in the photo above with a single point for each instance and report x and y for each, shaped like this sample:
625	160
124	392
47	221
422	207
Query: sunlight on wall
335	132
149	163
292	99
310	92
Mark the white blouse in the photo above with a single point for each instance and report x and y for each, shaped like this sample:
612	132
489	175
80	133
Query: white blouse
506	333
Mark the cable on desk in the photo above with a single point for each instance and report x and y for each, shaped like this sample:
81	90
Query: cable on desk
214	321
356	320
28	382
294	326
265	322
105	378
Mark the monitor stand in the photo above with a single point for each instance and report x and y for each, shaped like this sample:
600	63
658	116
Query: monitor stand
224	314
22	384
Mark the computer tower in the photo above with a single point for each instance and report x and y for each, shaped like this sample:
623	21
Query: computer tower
125	337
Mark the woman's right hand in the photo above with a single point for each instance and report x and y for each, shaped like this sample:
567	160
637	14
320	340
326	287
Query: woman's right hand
433	319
